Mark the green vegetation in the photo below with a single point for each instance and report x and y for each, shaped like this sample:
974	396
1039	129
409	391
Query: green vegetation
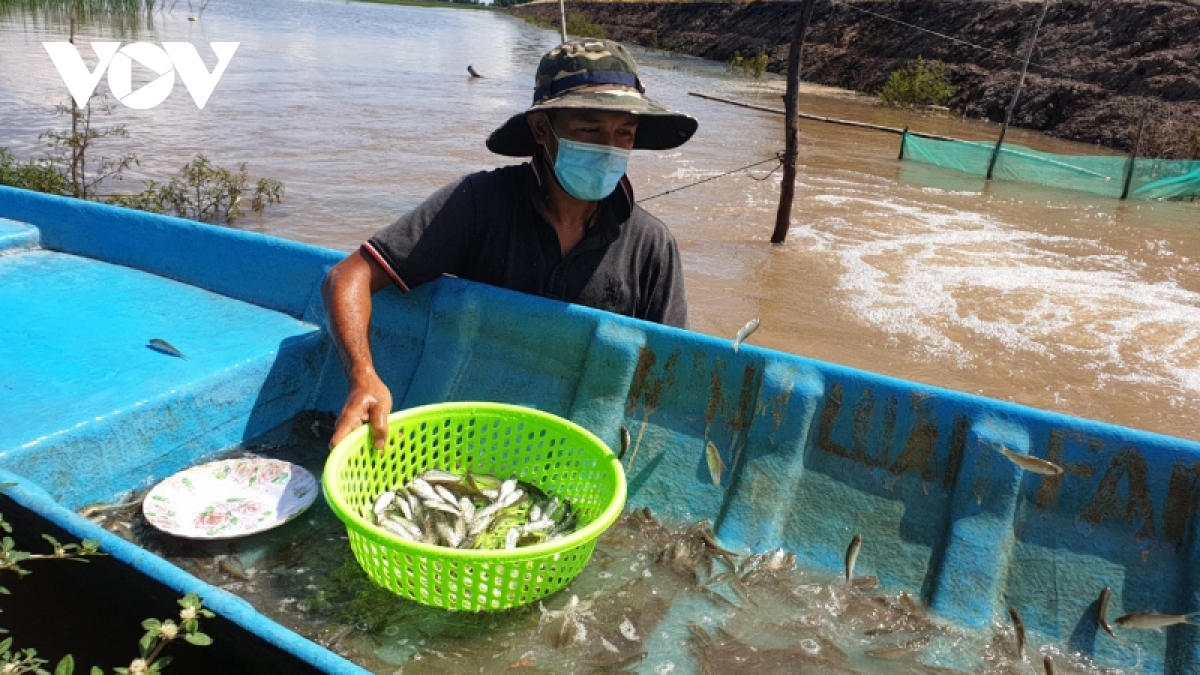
918	83
755	66
578	25
123	17
201	191
205	192
158	633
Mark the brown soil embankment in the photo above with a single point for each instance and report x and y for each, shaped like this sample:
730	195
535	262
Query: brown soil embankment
1097	65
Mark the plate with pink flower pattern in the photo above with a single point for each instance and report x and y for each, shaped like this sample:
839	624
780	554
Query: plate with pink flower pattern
230	498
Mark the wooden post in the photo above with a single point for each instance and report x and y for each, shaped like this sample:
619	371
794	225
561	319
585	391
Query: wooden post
903	139
783	217
75	158
1137	144
562	12
1017	94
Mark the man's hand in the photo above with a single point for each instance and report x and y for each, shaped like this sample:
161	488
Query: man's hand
369	401
347	292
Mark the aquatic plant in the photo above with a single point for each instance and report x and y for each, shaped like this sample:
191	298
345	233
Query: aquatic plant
38	175
755	66
123	17
205	192
918	83
69	149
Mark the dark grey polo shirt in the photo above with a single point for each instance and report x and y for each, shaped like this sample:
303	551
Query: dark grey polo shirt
485	228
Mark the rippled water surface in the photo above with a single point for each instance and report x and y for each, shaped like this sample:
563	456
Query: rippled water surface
1049	298
655	598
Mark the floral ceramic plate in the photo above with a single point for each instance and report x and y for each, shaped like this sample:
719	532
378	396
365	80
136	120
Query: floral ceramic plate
230	498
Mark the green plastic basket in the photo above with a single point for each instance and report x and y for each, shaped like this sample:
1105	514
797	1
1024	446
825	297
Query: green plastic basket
506	441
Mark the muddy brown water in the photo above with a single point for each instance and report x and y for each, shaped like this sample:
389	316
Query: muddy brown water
1045	297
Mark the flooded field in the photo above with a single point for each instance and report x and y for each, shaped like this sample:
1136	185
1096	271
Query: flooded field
656	598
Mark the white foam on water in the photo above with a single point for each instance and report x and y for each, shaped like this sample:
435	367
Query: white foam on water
955	280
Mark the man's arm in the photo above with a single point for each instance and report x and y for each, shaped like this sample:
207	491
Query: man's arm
347	292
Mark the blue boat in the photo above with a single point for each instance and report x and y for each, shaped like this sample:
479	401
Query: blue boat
817	452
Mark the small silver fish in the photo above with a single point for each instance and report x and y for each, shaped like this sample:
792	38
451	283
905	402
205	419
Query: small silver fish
744	332
165	347
510	539
1049	663
435	476
423	490
716	466
446	495
1019	626
1032	464
852	556
900	650
1153	621
1103	611
625	439
382	504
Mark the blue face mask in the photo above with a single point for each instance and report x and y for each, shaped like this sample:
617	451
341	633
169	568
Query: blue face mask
587	171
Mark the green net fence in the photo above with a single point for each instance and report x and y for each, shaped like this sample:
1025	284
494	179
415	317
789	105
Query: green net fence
1150	178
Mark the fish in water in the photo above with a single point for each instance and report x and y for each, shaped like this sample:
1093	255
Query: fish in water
1103	611
1049	663
1019	625
165	347
624	442
715	465
1153	621
471	70
899	650
1032	464
852	556
744	332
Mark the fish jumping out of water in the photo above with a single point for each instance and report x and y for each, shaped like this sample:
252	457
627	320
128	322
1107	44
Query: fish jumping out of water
852	556
471	70
744	332
1032	464
1154	621
716	466
160	345
1103	612
1019	626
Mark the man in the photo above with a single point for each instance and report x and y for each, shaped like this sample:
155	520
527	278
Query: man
563	226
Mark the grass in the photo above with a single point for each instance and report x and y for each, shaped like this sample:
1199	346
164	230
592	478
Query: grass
578	25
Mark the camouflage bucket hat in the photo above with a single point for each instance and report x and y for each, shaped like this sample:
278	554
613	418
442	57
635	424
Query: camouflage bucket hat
593	75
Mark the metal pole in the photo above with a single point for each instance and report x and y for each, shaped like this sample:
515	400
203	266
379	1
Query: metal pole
783	217
1137	144
562	12
1017	94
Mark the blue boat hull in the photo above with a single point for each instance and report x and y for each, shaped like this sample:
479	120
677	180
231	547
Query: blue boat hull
815	452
